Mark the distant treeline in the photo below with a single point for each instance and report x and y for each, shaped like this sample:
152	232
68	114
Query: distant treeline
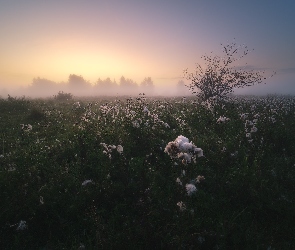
78	86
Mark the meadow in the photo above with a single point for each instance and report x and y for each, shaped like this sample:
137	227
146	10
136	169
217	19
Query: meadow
147	173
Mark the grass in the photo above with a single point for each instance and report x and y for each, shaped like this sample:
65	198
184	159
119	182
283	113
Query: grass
130	201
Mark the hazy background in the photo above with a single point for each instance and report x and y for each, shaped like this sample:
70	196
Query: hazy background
44	43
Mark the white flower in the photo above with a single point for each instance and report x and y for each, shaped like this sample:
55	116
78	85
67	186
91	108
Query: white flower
244	116
145	110
200	178
185	156
135	124
253	129
22	225
222	119
120	149
183	149
199	152
178	181
166	125
181	139
86	182
190	189
181	205
112	147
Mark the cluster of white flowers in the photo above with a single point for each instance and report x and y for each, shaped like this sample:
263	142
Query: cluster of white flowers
108	149
222	119
181	205
200	178
76	105
26	127
250	127
182	149
244	116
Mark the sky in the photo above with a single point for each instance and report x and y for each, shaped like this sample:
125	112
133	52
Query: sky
142	38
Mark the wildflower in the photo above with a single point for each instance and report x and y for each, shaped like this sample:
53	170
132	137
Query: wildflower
135	124
244	116
199	152
120	149
190	189
185	157
200	178
172	149
254	129
248	135
181	205
183	149
178	181
166	125
26	127
222	119
145	110
248	123
22	225
84	183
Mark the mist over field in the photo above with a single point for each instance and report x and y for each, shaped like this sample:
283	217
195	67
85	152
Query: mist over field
45	88
78	86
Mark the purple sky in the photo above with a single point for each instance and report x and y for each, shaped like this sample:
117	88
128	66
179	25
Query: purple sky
138	38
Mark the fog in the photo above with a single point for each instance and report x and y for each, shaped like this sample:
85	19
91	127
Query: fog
78	86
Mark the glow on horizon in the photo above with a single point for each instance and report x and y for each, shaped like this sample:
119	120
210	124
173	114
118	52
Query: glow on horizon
129	38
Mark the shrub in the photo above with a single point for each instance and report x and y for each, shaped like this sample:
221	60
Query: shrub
61	96
221	77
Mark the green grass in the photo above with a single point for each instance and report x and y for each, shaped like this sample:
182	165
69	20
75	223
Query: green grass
245	202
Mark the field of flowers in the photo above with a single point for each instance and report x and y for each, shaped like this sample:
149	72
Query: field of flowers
145	173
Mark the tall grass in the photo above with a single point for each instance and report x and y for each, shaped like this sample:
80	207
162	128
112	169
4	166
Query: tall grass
65	183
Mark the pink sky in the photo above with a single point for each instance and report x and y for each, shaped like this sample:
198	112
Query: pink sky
136	39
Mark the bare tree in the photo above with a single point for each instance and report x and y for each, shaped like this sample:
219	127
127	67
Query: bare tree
220	76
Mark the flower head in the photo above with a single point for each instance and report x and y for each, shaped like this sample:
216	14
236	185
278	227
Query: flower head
181	205
190	189
120	149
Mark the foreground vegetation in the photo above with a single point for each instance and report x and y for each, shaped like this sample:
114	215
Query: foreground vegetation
98	174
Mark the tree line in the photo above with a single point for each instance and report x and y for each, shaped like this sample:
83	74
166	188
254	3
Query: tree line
77	85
